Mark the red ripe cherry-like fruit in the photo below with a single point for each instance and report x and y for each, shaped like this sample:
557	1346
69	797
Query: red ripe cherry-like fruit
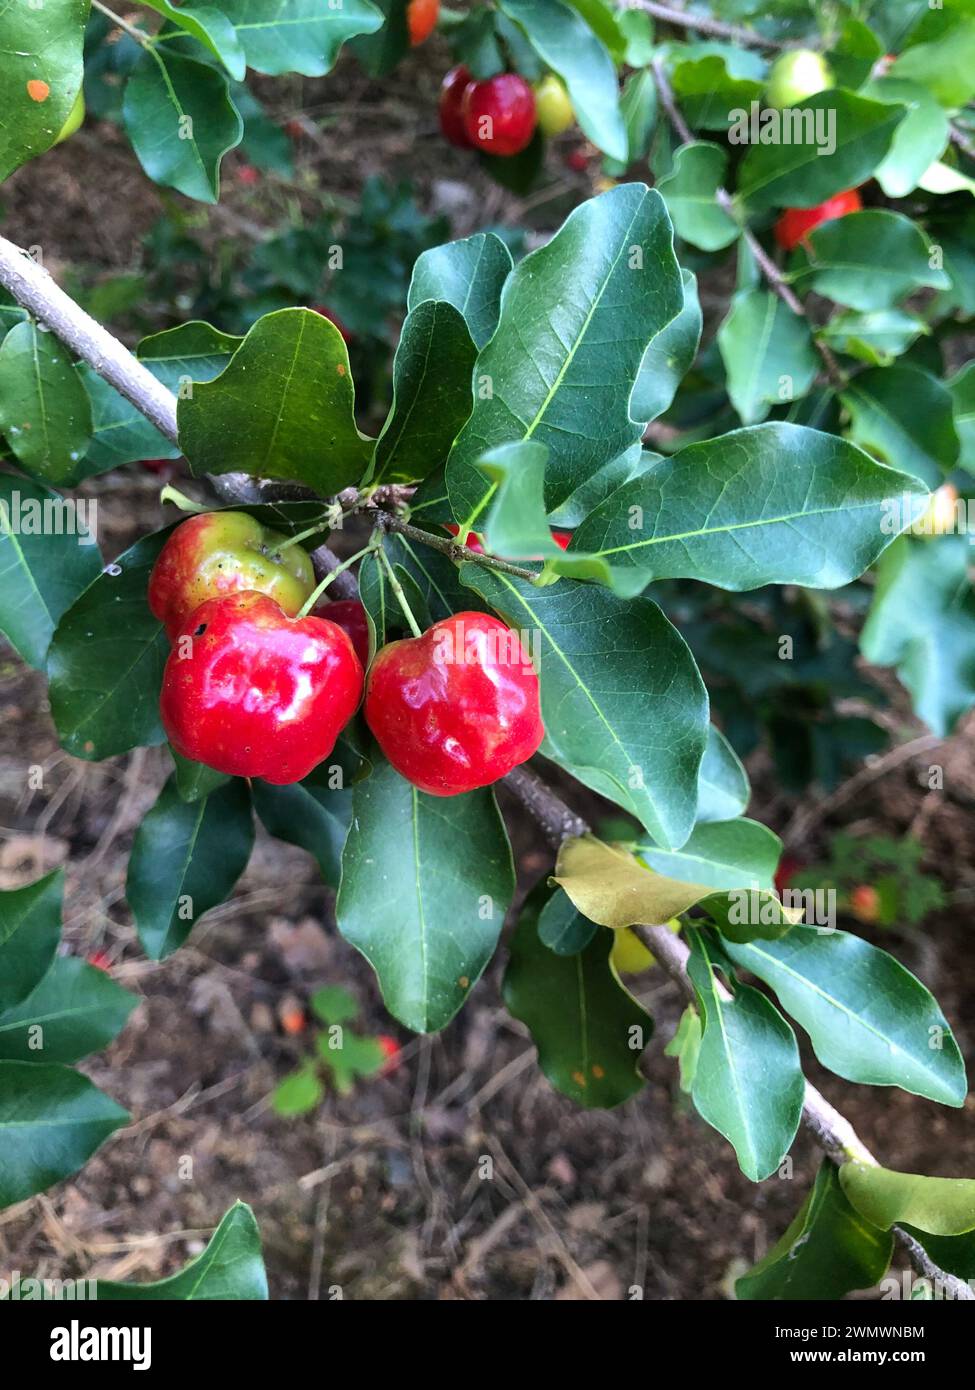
795	224
456	708
499	114
451	117
421	19
253	693
350	616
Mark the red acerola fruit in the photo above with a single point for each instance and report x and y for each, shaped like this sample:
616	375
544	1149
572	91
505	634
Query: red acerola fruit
865	903
789	866
248	175
226	553
578	161
350	616
391	1051
562	538
451	117
499	114
456	708
421	19
158	466
795	224
332	317
101	960
252	692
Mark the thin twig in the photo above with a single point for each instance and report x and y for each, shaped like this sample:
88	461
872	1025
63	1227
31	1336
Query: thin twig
138	34
703	24
461	554
776	281
831	1130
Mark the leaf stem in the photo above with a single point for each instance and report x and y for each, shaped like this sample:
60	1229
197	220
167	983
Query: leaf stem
180	499
397	589
317	592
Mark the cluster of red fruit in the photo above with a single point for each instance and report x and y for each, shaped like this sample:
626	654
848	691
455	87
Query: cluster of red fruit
256	686
500	114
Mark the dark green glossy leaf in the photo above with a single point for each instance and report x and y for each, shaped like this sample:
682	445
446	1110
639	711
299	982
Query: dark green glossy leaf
286	401
904	414
30	929
210	27
543	376
748	1082
562	927
311	814
919	139
962	388
869	1019
800	173
773	504
231	1267
38	44
194	780
588	1029
669	358
827	1251
106	660
624	707
469	275
720	854
699	171
868	260
74	1010
768	354
45	563
181	121
723	790
298	35
44	409
52	1119
922	621
422	909
432	394
186	858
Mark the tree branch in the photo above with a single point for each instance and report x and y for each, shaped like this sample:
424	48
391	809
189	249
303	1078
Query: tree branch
703	24
776	281
33	288
831	1130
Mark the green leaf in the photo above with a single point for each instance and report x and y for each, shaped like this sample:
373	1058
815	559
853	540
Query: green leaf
310	814
685	1045
720	854
722	788
922	621
469	275
588	1029
869	1019
868	260
186	858
699	171
30	929
942	1206
299	1093
638	105
231	1267
298	35
432	394
42	45
768	354
827	1251
668	358
333	1004
712	81
945	66
544	375
918	141
181	121
748	1083
876	338
380	52
47	557
349	1057
106	660
962	388
424	911
44	409
194	780
52	1119
562	927
629	464
772	504
854	53
624	707
74	1010
904	414
567	45
299	425
801	174
208	26
194	351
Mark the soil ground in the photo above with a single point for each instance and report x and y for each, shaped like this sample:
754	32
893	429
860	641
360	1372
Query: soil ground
381	1194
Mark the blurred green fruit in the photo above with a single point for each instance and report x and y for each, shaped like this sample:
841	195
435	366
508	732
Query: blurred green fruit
796	75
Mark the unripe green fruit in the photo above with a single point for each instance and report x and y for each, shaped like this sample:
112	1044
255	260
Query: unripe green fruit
552	103
799	74
75	116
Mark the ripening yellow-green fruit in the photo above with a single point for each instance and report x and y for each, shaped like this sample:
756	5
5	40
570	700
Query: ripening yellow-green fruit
798	74
75	116
553	107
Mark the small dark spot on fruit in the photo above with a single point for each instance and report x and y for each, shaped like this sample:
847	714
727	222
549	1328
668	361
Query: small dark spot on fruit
200	630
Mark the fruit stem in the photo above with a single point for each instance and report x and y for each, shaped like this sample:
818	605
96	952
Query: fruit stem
317	592
397	589
180	499
301	536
